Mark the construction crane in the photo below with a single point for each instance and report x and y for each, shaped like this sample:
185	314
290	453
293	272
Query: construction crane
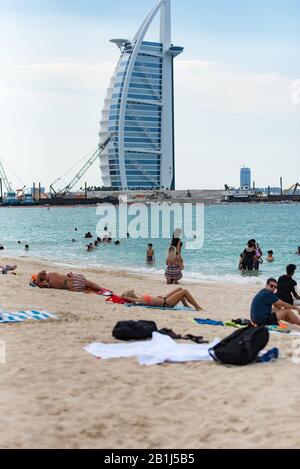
101	147
4	179
293	188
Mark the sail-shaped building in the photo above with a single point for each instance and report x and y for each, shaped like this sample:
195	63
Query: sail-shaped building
138	111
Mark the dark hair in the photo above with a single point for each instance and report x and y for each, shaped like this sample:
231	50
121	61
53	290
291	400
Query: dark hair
251	244
175	242
271	252
271	280
150	245
290	270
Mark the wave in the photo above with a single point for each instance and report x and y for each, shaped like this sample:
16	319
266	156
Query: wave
189	276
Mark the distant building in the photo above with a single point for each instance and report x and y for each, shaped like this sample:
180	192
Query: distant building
245	177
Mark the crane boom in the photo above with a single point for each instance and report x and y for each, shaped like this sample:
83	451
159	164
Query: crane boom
293	188
84	169
4	179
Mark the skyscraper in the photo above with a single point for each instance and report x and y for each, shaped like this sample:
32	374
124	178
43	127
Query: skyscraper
139	110
245	177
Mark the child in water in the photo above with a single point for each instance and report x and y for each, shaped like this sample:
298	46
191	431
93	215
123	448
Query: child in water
150	257
270	257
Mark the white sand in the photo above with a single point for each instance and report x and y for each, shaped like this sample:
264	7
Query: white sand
54	394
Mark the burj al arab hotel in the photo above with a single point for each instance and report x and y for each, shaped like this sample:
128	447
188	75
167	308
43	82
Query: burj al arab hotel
138	114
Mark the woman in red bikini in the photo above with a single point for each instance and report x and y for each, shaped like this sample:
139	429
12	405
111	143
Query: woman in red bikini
168	301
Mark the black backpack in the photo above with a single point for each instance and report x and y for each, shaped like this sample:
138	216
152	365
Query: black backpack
241	347
140	330
134	330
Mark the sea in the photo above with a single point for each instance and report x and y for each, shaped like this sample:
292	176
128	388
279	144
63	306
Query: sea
227	228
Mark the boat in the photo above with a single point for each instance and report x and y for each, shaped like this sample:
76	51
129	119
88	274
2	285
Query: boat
243	194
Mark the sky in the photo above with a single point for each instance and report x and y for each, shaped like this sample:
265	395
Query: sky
237	87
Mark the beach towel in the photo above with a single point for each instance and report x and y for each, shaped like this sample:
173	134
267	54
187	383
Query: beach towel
161	308
282	328
208	322
159	349
20	316
105	292
102	292
118	300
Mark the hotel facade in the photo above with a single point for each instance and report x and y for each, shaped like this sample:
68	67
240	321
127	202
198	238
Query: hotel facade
138	111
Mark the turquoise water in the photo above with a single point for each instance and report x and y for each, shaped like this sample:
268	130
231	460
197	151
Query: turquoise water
227	229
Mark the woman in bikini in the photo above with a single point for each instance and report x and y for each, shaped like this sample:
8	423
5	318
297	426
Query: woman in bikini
71	282
168	301
174	266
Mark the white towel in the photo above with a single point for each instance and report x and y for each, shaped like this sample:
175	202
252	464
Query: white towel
151	352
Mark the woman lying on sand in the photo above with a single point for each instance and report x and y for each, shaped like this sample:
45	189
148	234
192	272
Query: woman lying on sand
168	301
71	282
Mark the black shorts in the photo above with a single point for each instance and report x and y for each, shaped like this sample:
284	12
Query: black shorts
270	320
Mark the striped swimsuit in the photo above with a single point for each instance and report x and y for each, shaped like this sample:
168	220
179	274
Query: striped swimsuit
79	282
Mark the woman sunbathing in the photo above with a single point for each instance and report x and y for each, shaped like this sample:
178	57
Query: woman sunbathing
71	282
168	301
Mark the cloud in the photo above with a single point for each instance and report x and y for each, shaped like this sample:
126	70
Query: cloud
3	92
296	92
24	82
213	88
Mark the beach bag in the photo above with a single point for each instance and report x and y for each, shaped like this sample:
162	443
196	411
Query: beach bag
140	330
241	347
134	330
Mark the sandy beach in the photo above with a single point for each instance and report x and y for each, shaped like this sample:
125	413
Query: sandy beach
55	395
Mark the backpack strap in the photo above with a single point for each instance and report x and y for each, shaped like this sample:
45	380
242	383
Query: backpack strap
173	335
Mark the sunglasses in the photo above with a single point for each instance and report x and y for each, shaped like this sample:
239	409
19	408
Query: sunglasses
273	286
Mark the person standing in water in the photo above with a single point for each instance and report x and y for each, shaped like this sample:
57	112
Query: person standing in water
150	257
174	266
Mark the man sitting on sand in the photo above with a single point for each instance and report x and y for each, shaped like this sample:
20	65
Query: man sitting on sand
169	301
71	282
267	309
286	286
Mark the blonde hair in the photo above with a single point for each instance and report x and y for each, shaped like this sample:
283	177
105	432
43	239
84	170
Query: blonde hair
172	254
129	294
